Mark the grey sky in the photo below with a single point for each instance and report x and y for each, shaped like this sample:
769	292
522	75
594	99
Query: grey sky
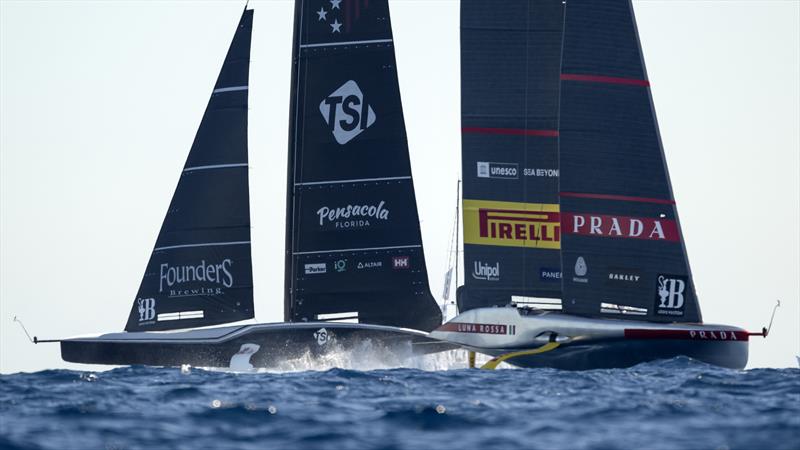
100	101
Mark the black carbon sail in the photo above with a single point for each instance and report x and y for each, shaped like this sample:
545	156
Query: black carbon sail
200	271
622	249
510	65
353	243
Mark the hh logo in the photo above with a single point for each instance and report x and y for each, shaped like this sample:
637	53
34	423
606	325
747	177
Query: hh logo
347	112
400	262
670	294
147	309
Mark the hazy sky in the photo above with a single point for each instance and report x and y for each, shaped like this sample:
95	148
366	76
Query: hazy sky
100	101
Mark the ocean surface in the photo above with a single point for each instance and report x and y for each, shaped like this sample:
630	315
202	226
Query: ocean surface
676	404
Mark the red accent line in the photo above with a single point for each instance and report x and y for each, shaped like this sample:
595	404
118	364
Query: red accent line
604	79
623	198
510	131
694	335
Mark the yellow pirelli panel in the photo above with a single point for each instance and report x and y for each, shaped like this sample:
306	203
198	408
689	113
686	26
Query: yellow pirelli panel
509	224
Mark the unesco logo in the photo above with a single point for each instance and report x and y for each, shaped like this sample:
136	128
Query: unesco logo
346	112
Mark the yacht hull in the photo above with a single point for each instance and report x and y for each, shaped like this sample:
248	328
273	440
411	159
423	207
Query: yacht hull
248	346
587	343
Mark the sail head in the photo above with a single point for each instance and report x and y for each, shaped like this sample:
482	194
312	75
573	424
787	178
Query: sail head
200	271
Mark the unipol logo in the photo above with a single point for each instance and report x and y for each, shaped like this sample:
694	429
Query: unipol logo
347	112
482	271
147	309
670	294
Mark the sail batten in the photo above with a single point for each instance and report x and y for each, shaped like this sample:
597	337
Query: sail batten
200	270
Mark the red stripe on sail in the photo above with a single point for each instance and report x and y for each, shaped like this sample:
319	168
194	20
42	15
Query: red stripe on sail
509	131
605	79
623	198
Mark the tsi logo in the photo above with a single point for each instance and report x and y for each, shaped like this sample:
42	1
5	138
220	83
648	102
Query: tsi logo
322	337
486	272
346	112
147	309
669	294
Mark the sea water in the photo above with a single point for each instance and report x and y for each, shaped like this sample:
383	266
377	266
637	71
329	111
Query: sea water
437	404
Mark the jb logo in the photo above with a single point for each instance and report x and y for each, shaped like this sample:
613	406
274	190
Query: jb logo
147	309
347	112
670	297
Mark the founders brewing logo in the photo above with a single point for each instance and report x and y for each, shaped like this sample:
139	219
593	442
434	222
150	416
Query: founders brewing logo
346	112
147	309
670	298
352	216
214	276
483	271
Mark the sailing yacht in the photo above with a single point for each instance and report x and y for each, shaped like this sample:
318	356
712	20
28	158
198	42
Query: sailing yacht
572	244
355	267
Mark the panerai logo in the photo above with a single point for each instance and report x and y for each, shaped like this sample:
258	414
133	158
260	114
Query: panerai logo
669	294
208	273
482	271
350	216
346	112
147	309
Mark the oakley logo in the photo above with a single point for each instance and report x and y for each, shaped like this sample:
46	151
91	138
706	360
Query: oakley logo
347	112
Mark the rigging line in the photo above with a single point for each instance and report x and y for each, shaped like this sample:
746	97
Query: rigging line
23	329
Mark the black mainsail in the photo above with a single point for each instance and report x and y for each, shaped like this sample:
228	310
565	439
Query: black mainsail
622	249
353	243
200	271
510	65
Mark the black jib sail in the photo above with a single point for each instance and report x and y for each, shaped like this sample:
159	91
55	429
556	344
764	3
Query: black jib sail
510	65
622	249
200	271
353	244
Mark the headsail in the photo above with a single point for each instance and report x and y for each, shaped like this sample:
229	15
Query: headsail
510	64
622	250
200	271
353	248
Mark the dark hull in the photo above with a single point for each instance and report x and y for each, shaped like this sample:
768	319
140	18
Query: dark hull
630	352
251	346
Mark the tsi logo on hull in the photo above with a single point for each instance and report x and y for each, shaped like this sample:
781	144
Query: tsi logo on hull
347	112
483	271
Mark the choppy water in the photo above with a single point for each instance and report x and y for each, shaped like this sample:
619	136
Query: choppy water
665	405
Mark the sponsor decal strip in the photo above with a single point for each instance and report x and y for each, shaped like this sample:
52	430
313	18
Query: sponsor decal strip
509	131
215	166
205	244
623	198
620	226
605	79
358	180
357	249
699	335
532	225
482	328
334	44
230	89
